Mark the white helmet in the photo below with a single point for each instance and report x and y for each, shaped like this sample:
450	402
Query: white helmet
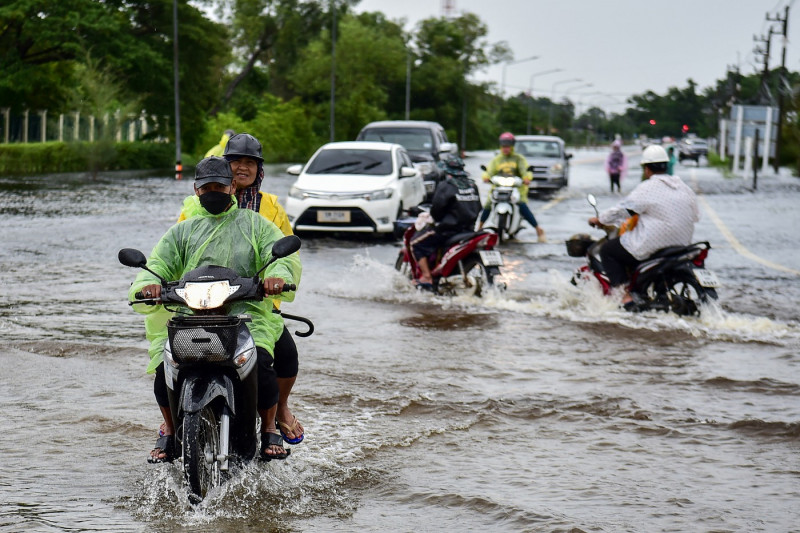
654	154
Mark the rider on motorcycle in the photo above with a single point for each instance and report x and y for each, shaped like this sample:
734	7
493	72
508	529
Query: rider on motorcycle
510	163
220	234
667	211
455	206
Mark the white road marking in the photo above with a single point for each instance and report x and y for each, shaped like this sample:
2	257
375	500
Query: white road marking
739	247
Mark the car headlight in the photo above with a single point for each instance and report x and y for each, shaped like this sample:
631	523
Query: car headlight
383	194
296	192
557	168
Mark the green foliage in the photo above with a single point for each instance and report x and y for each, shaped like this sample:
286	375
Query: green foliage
370	56
53	157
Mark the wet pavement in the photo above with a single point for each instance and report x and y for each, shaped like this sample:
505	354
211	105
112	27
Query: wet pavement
543	408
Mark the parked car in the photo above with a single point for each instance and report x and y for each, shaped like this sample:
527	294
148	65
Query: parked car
425	141
549	159
692	148
353	186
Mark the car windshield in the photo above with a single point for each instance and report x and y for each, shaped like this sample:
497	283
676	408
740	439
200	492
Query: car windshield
413	139
352	161
538	149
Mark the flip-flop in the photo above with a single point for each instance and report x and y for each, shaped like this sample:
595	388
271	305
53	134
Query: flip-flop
422	286
272	439
166	444
286	428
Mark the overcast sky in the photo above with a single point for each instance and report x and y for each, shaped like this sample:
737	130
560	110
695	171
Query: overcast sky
621	47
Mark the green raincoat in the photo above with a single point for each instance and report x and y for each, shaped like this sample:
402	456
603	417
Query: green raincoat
240	239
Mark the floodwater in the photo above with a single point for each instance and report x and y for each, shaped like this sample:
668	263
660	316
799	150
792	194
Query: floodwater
544	408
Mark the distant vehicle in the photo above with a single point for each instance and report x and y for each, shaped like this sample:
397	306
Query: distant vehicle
425	141
550	162
692	148
353	186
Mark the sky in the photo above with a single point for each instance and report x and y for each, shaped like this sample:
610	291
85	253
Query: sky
620	47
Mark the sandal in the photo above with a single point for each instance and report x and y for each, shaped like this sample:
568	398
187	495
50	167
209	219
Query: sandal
286	428
165	445
271	438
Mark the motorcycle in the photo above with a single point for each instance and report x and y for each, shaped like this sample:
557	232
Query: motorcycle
504	216
210	365
672	279
466	266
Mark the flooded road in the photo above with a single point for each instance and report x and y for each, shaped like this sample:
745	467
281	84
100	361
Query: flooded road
543	408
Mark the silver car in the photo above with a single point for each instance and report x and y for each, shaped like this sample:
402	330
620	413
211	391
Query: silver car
550	162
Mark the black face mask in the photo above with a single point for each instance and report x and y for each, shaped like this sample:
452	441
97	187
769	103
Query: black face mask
215	202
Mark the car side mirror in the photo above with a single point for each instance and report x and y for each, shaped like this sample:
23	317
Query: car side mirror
294	170
449	148
567	156
483	167
407	172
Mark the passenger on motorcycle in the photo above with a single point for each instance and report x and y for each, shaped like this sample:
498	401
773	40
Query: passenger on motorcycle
510	163
455	206
667	211
214	235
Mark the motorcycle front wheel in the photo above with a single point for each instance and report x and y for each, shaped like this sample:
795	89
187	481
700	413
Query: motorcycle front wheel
684	294
200	449
502	222
473	280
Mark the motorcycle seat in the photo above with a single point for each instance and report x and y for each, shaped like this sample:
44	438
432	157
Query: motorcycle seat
669	250
458	237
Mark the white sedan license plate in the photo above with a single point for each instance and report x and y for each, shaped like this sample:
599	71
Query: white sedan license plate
706	278
491	258
333	216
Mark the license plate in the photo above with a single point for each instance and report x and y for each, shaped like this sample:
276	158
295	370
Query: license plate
491	258
430	186
706	278
333	216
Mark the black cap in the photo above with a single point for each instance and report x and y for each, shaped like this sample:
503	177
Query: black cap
212	170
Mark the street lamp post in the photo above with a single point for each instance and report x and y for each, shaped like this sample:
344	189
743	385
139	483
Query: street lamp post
178	164
530	93
553	96
503	83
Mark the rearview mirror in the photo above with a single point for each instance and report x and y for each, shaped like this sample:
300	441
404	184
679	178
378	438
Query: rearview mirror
407	172
447	148
132	258
567	156
294	170
286	246
592	200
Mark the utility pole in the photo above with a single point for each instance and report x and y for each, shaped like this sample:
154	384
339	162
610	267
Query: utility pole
333	72
781	85
766	96
178	165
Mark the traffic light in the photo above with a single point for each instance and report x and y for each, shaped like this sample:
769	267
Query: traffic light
685	128
652	122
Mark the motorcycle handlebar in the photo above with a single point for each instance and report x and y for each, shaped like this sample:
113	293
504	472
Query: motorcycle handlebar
140	299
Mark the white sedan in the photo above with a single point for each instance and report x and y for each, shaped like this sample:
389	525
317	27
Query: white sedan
353	186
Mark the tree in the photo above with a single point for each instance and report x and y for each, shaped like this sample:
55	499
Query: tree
370	57
449	50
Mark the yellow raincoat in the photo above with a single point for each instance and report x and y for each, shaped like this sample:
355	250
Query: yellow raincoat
513	164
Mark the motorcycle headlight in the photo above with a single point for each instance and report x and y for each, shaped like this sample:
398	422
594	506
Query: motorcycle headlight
504	181
383	194
206	295
557	168
295	192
